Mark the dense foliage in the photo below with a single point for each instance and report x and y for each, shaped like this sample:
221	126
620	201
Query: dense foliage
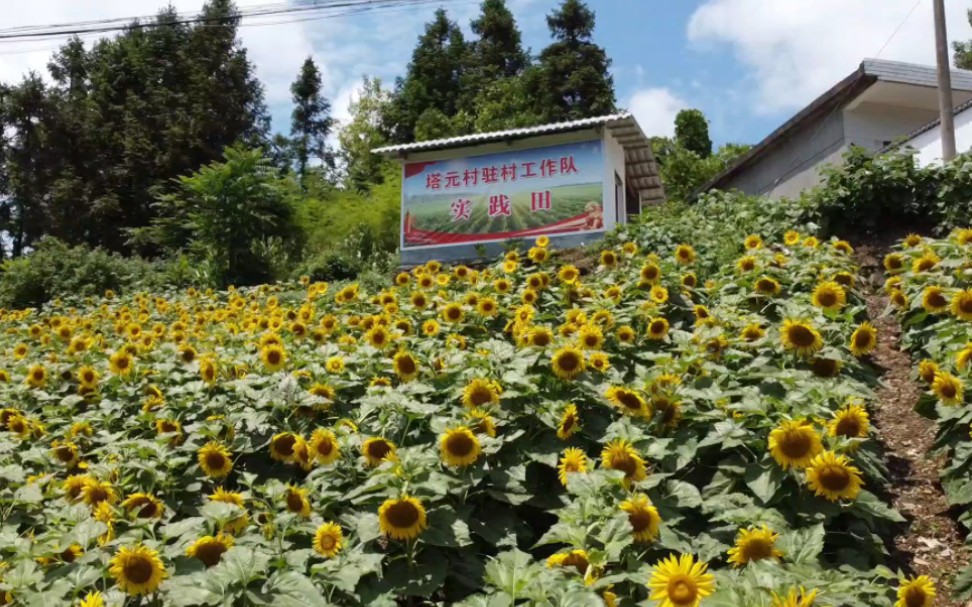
523	432
930	288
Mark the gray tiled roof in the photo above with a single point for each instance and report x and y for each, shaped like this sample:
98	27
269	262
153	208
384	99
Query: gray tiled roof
912	73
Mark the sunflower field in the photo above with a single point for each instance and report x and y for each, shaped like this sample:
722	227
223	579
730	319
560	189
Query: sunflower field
929	285
666	429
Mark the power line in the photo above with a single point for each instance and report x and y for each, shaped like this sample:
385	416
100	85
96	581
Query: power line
897	29
316	9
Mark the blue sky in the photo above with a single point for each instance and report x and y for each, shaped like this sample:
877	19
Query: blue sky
748	64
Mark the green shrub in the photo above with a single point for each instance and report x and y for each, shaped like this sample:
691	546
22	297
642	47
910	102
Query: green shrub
54	269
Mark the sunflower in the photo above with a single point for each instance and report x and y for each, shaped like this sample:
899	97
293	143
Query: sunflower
487	306
963	236
215	460
864	339
963	358
767	286
92	599
120	363
609	258
795	598
378	337
405	365
537	254
143	505
568	362
753	241
643	517
236	499
402	518
482	422
377	449
328	539
832	476
916	592
842	246
296	500
481	391
573	460
619	454
962	305
925	263
746	264
680	582
599	361
625	334
207	369
274	357
282	446
801	337
825	367
137	569
650	273
568	274
689	280
578	559
459	447
894	263
830	296
927	370
794	443
88	377
754	544
66	453
430	328
627	401
93	492
933	300
658	328
324	446
752	332
37	376
209	549
899	300
845	279
684	254
948	388
850	421
590	337
334	364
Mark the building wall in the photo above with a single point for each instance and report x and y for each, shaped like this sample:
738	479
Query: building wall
876	125
793	163
613	155
929	144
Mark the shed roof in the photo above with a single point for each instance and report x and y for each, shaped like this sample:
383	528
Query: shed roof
640	168
842	93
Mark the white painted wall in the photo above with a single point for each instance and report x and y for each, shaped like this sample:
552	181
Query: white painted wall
875	125
929	143
613	163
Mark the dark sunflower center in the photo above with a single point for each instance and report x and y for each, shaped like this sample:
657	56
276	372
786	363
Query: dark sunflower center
948	390
894	262
327	541
629	400
64	454
755	550
624	463
849	426
801	336
541	339
210	552
834	478
925	264
453	313
379	449
273	357
378	338
590	340
480	396
657	327
569	422
88	377
914	597
97	495
827	298
460	444
640	520
285	445
796	445
682	590
122	362
215	461
577	561
569	361
764	285
937	300
406	365
68	556
862	339
965	304
38	375
825	367
295	503
148	510
402	515
325	447
166	427
138	569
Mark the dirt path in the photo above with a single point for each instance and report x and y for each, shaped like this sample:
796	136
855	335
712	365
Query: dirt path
933	542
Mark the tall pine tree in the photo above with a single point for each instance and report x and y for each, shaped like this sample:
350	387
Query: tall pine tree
692	132
310	122
498	52
433	80
573	80
364	132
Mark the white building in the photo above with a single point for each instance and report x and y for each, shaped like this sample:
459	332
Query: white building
927	141
466	197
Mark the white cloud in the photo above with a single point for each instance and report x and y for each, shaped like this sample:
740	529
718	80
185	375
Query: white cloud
655	109
794	50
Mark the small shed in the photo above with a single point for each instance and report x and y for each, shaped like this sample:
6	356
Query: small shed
464	197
